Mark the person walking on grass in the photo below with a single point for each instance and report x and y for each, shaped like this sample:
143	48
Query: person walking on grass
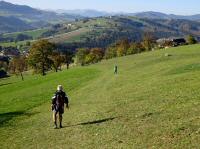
115	69
59	100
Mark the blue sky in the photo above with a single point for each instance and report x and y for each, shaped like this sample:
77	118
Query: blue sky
183	7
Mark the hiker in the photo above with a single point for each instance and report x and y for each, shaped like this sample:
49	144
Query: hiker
115	69
58	101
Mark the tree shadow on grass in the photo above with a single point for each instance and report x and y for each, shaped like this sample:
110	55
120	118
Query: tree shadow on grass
5	117
93	122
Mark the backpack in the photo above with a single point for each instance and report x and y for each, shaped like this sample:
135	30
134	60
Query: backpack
59	99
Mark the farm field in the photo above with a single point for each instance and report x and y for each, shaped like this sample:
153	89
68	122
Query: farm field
154	102
73	36
33	33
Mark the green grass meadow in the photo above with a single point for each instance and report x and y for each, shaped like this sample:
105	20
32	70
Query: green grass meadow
33	33
154	102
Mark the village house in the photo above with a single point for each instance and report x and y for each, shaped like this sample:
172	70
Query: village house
170	42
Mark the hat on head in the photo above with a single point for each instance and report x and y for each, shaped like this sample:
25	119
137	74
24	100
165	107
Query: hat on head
59	88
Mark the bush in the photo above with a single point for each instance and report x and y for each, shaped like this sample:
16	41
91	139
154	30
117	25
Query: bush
191	40
3	74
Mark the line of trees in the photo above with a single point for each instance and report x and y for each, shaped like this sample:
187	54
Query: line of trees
43	56
85	56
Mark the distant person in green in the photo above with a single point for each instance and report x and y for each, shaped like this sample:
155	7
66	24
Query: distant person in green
115	69
59	100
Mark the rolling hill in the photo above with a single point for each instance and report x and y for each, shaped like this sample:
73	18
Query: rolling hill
159	15
99	31
147	14
13	24
34	18
152	103
85	12
102	31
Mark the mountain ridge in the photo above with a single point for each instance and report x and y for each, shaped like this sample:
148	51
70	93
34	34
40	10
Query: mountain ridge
34	18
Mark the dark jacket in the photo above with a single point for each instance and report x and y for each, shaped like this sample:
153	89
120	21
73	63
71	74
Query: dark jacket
58	100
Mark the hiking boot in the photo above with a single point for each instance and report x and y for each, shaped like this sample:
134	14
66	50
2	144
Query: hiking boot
55	126
61	126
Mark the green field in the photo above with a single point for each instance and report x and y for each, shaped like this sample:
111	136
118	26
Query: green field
33	33
73	36
154	102
14	44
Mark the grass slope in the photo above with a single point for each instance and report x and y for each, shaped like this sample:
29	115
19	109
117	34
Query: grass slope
73	36
152	103
33	33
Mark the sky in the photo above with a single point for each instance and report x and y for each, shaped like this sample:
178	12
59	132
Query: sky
181	7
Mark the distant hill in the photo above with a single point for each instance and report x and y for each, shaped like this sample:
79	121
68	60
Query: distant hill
85	12
102	31
31	14
158	15
33	18
13	24
147	14
9	8
150	15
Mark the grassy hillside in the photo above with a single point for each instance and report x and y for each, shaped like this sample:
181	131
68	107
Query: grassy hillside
15	44
15	18
152	103
103	31
33	33
12	24
117	27
73	36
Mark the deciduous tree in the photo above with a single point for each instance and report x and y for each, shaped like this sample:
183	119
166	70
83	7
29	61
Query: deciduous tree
110	52
122	47
81	56
148	41
191	40
18	65
40	56
57	60
95	55
68	58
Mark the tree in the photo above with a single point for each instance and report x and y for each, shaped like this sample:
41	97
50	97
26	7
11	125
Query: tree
122	47
110	52
18	65
40	56
57	60
81	56
135	48
132	49
95	55
4	65
191	40
68	58
140	47
148	41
